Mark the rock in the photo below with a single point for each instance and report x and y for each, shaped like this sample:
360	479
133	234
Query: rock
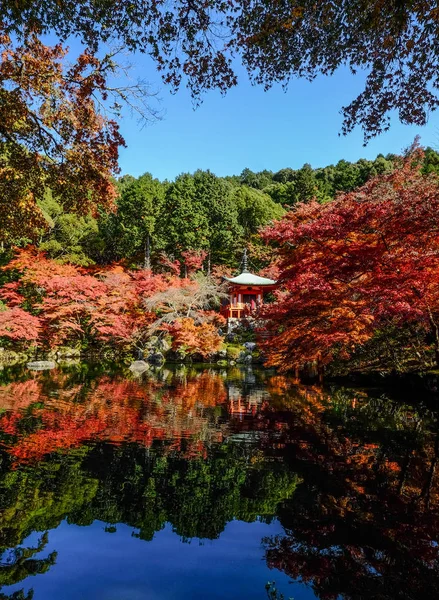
241	357
156	344
250	346
139	366
152	342
156	358
41	365
164	346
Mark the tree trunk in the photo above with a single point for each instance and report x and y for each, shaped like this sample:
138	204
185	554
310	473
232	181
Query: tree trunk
208	264
147	264
435	331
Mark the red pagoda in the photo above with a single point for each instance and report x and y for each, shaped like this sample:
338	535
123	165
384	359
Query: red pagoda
246	293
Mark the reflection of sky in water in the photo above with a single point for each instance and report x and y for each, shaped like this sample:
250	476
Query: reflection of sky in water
95	565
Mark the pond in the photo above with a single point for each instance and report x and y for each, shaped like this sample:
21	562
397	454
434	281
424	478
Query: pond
202	483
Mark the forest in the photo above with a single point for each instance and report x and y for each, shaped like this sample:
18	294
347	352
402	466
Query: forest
351	246
199	211
93	262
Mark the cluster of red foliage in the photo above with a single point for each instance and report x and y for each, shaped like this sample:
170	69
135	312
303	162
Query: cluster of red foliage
53	304
368	260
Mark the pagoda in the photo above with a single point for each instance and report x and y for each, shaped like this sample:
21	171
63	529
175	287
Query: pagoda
246	293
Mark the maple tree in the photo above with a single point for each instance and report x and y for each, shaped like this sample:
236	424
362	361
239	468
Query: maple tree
368	260
191	298
54	304
193	260
52	135
200	339
18	325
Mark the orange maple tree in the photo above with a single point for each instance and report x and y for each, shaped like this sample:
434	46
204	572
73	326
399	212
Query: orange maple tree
52	134
54	304
200	339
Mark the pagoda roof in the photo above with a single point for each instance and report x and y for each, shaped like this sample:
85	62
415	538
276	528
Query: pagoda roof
247	278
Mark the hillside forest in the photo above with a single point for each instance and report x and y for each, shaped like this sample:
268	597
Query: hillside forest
351	246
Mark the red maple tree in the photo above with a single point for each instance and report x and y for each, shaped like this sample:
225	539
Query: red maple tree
368	260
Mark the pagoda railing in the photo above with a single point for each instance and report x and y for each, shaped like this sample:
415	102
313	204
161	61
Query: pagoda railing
237	311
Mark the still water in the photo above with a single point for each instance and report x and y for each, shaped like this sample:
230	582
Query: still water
206	484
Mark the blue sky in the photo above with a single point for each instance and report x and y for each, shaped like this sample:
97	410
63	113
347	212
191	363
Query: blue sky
251	128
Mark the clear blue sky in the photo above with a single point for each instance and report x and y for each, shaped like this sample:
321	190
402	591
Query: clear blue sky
252	128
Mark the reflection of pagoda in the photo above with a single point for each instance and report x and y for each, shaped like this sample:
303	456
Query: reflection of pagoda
246	293
246	397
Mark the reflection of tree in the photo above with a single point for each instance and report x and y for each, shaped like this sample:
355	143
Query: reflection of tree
20	595
39	422
198	496
19	564
39	498
364	522
144	488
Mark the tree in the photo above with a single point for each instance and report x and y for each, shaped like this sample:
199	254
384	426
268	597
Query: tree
215	197
52	135
258	180
276	41
183	218
18	325
369	259
305	184
255	209
194	298
138	210
68	237
202	339
282	193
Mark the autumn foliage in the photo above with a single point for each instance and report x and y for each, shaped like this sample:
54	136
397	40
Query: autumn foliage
200	339
52	134
349	268
54	304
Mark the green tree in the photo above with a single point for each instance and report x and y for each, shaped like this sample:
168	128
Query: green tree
256	180
215	196
282	193
255	209
305	184
69	237
183	222
138	210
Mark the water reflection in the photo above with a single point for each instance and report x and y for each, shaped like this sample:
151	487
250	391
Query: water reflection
344	481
